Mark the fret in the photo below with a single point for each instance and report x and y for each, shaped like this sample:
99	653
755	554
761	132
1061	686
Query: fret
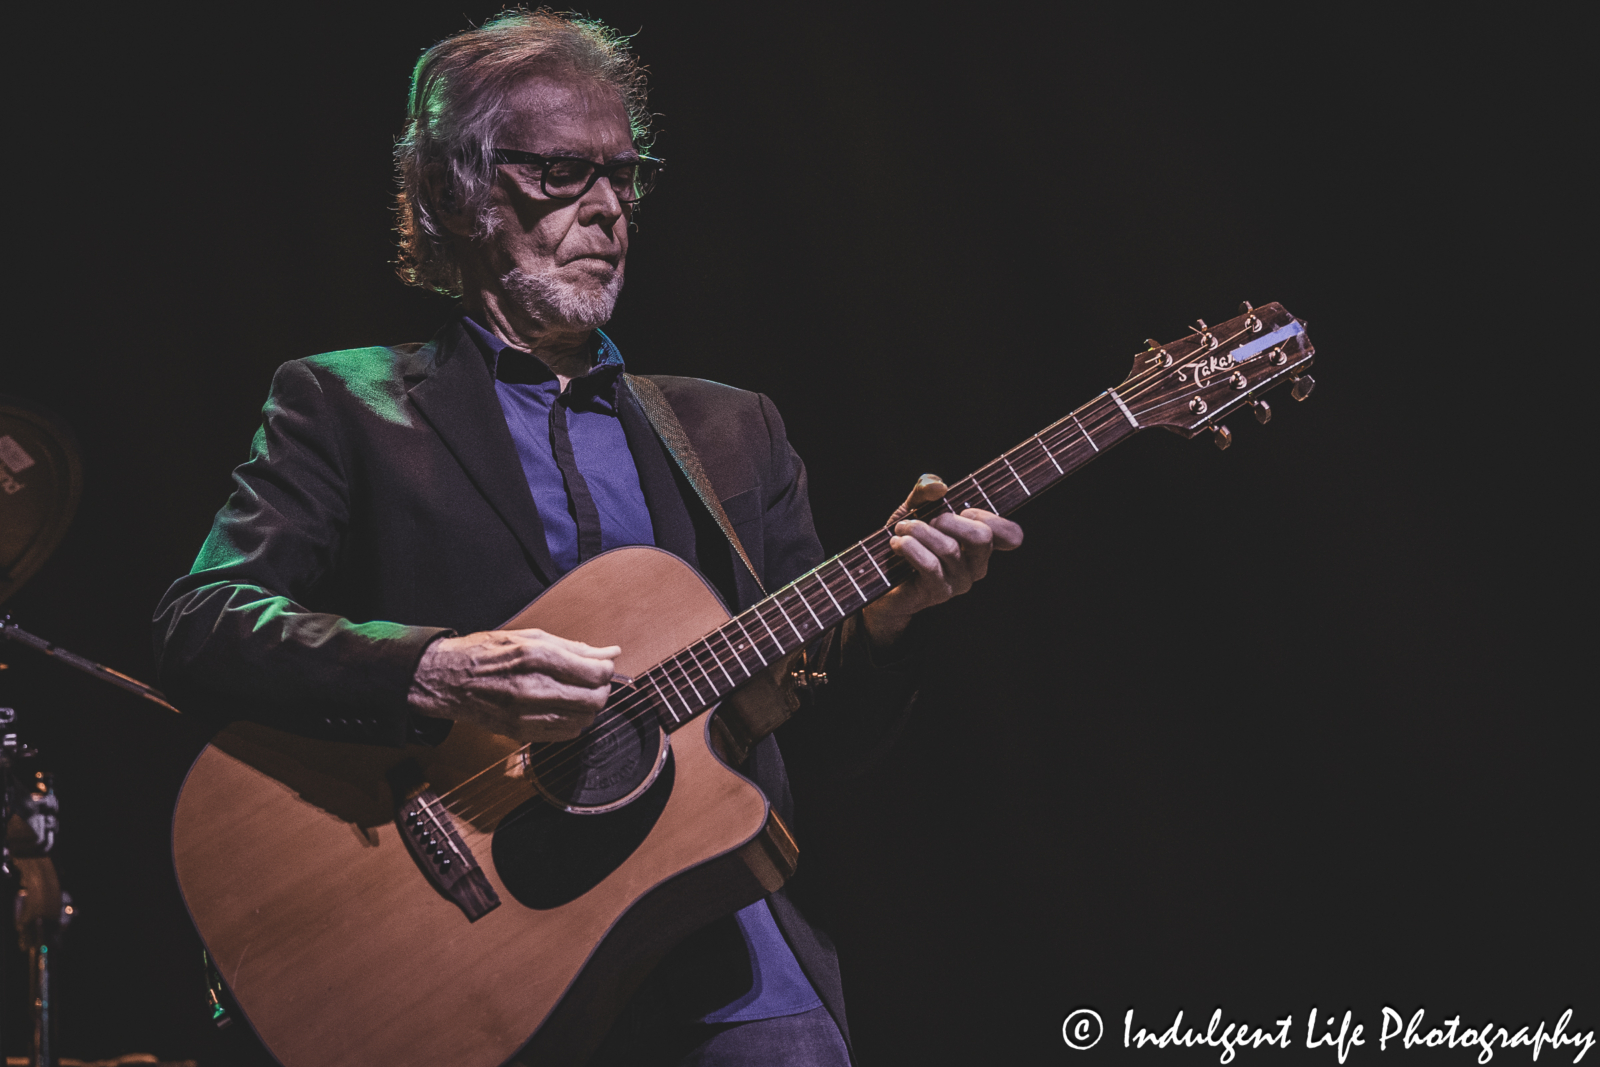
695	657
802	595
979	486
1039	463
722	666
879	569
1085	433
1051	455
1065	441
825	589
753	646
1067	453
777	646
779	605
1003	492
688	679
662	700
1116	424
845	567
1015	475
667	703
861	546
664	714
668	676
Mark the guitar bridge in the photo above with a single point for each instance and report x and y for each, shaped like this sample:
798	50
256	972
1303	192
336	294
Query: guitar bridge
430	833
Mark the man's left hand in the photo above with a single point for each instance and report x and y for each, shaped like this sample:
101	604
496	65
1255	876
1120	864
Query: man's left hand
948	555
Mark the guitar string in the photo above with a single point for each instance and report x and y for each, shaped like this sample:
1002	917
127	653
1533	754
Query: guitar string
500	792
627	712
517	788
1152	378
513	792
621	717
825	581
621	721
696	651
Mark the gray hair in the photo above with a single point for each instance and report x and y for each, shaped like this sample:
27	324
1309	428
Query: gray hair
454	115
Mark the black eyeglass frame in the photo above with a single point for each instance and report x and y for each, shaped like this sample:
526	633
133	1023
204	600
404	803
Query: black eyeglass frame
648	167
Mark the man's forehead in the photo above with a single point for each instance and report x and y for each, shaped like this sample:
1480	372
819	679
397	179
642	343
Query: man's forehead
566	114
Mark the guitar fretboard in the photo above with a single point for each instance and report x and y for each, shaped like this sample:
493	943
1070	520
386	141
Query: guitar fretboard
682	686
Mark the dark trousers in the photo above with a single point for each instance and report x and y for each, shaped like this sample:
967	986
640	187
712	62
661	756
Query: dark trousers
809	1039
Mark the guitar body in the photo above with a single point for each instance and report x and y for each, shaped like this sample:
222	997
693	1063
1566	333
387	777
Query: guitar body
338	949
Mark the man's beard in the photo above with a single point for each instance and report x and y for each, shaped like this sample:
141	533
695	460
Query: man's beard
558	304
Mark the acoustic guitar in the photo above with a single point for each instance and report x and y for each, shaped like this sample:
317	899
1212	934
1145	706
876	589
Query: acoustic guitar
485	901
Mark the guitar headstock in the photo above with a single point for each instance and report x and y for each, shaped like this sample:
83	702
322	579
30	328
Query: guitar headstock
1192	383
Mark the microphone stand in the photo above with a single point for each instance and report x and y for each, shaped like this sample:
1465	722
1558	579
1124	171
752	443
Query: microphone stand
12	632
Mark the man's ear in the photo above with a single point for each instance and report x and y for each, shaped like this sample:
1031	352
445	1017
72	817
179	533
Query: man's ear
442	196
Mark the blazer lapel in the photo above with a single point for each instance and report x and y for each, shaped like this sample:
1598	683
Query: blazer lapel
459	402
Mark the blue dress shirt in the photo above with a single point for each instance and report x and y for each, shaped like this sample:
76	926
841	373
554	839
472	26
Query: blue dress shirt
527	391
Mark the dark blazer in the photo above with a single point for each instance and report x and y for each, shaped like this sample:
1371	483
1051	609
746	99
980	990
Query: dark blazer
383	504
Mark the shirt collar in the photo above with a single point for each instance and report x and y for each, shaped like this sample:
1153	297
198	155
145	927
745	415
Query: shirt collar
596	390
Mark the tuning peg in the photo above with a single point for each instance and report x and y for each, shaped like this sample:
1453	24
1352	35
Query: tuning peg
1262	412
1303	386
1221	436
1153	343
1200	326
1245	307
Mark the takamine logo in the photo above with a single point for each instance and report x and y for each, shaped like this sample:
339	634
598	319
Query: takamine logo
1204	369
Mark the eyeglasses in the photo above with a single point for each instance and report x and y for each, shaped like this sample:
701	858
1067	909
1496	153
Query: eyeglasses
566	178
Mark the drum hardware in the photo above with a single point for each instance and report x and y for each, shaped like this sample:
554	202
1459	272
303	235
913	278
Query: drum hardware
40	907
41	480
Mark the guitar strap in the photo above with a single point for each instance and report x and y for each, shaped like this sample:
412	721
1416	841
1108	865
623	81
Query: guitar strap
667	427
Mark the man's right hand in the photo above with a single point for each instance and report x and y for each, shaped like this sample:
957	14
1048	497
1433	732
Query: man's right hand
523	684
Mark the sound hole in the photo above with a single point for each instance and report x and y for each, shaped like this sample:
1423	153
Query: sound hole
611	759
547	857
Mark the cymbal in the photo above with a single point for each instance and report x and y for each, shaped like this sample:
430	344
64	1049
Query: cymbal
41	479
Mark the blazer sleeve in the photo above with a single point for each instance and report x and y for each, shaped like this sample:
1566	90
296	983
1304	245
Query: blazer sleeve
236	639
843	727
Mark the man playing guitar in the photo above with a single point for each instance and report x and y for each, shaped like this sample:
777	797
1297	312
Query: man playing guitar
401	503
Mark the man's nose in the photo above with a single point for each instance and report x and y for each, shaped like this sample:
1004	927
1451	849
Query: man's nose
600	203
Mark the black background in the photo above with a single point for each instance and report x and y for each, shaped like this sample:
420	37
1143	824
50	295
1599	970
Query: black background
1302	723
